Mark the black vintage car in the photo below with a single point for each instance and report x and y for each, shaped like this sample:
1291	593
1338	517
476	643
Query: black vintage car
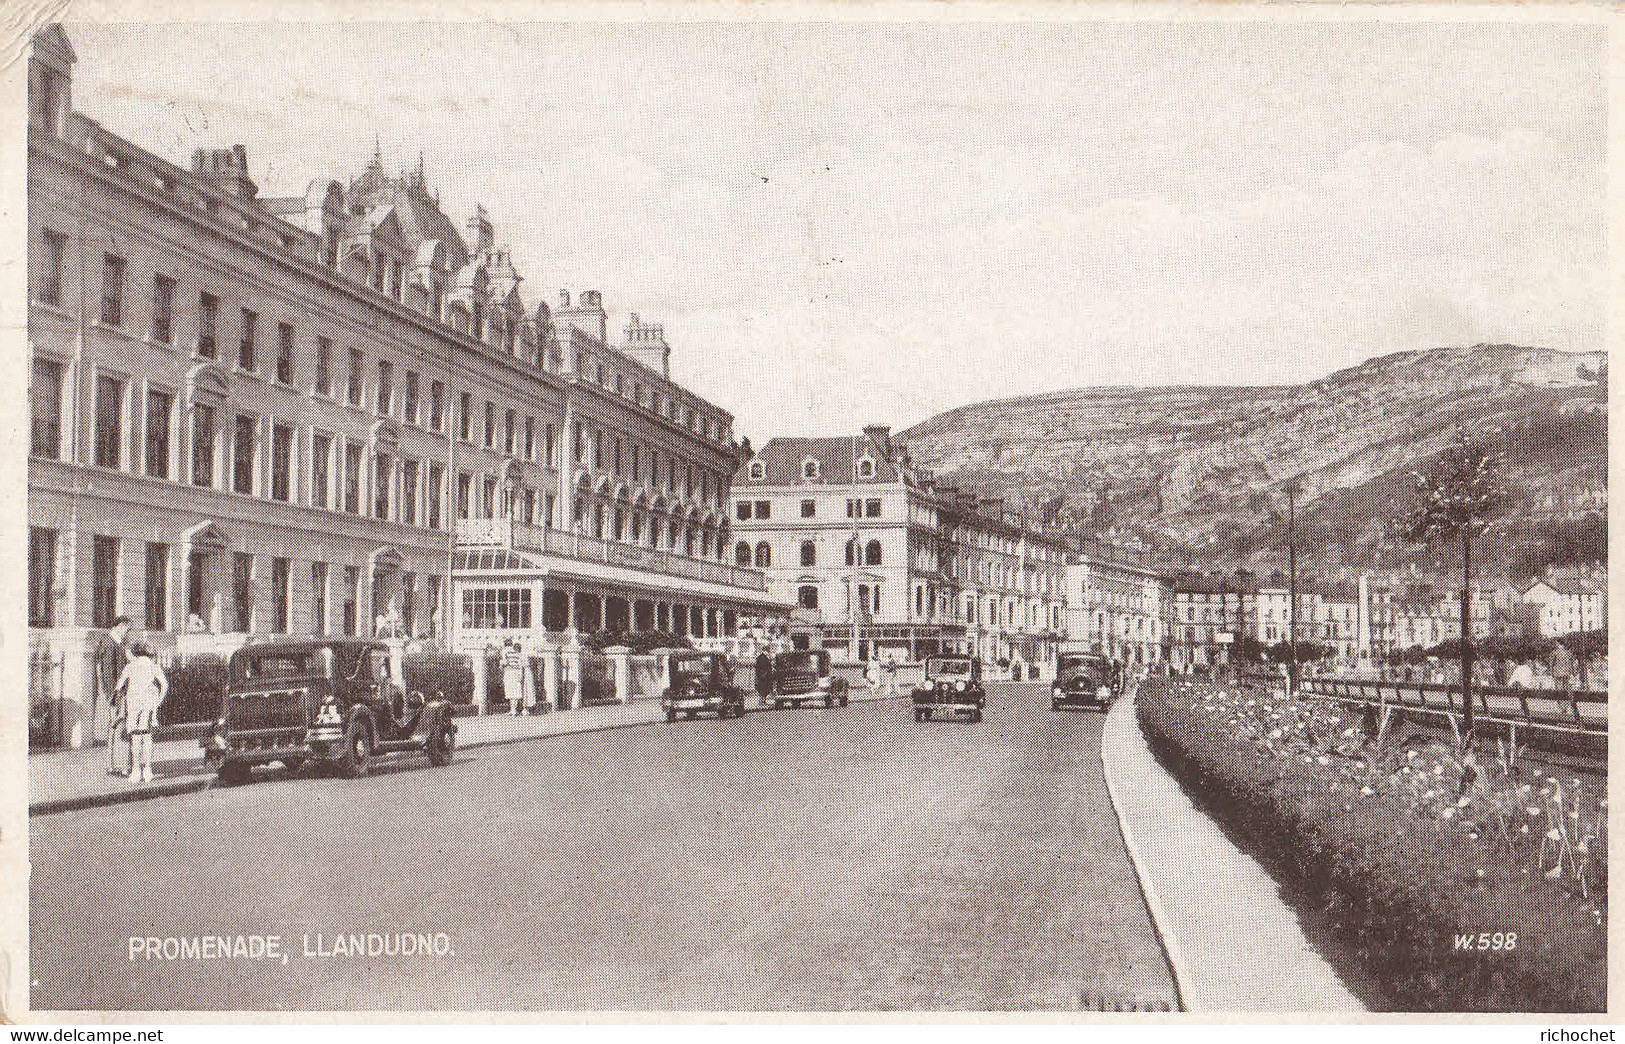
702	682
333	701
1083	680
804	675
952	685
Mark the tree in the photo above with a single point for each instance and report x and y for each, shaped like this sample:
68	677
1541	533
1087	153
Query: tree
1456	496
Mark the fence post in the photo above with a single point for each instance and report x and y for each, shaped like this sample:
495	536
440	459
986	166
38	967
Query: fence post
620	659
476	661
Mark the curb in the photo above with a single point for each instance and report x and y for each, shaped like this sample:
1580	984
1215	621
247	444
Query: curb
49	806
1161	923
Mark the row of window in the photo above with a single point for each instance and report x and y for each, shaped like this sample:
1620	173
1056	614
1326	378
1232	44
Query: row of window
162	330
241	612
762	510
412	407
811	469
762	555
807	597
402	490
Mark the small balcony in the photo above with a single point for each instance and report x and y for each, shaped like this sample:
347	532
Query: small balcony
506	533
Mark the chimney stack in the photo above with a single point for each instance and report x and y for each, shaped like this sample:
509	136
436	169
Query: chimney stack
226	169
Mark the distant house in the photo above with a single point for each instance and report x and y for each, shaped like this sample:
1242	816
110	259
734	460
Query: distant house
1566	605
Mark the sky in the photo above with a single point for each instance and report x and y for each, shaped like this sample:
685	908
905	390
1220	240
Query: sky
843	223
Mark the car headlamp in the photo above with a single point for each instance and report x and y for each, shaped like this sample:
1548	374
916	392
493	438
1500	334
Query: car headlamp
959	686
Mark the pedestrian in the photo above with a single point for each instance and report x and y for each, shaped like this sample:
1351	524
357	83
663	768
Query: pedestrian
764	676
143	686
871	675
1563	667
112	657
513	675
891	676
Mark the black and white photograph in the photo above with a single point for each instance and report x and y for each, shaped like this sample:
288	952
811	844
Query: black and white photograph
794	511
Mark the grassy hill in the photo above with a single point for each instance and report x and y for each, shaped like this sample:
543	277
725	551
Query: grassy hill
1199	473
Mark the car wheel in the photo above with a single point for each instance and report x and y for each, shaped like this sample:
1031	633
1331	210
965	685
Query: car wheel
442	744
689	715
671	716
357	757
778	704
975	716
293	765
845	699
232	773
829	701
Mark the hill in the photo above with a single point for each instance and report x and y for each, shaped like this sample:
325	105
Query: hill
1199	473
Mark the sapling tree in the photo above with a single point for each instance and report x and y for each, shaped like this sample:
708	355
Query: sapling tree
1455	498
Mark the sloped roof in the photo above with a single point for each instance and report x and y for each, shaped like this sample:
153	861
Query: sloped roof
836	457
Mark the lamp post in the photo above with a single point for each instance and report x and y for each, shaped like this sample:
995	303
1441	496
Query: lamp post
1292	586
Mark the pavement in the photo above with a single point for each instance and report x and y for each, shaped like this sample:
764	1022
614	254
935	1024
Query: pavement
62	780
1235	942
840	859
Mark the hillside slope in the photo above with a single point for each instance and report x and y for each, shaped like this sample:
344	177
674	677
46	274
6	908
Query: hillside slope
1199	472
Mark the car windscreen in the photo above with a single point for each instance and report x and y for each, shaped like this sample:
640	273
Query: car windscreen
1073	663
795	661
274	665
947	668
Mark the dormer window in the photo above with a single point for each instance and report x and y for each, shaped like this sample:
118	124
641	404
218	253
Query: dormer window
758	470
866	468
809	469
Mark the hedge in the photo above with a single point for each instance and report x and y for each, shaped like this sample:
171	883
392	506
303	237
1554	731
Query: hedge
1406	845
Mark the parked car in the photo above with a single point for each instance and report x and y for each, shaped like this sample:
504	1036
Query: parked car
333	701
1083	680
702	682
952	685
803	675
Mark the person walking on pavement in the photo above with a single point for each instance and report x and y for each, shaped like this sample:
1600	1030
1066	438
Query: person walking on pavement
871	675
513	676
111	660
142	686
764	677
891	676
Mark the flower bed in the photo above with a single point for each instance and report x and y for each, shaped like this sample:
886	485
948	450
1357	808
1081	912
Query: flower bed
1460	886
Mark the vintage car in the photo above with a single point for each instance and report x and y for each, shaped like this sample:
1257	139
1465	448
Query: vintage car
802	676
1082	680
702	682
952	685
333	701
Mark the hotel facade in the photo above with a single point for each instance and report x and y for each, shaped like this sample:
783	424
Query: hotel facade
335	413
879	559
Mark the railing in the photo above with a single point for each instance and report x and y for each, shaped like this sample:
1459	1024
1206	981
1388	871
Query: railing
503	532
1578	711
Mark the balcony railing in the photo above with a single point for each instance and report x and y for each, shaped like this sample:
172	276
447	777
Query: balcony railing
503	532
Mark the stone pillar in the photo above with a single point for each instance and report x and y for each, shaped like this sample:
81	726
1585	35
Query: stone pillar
550	676
570	671
620	662
81	709
476	659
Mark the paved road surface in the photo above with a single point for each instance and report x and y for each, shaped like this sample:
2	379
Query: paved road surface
795	860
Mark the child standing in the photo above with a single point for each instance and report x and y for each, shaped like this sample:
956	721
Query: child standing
143	687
